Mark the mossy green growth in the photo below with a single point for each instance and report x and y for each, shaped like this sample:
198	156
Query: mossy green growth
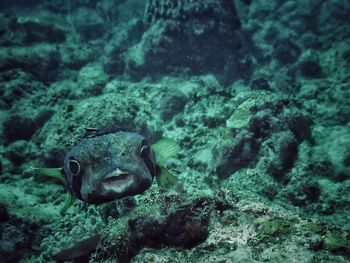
275	227
273	231
314	227
336	242
242	115
45	20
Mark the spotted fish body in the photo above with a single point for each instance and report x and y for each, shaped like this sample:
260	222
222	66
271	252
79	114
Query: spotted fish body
109	167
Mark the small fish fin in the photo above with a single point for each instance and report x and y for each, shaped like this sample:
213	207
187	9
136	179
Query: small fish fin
165	178
164	149
70	201
90	132
51	172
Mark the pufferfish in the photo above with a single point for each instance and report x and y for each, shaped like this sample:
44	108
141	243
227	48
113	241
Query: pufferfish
107	167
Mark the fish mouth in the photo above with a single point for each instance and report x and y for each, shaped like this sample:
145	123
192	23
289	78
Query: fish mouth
117	181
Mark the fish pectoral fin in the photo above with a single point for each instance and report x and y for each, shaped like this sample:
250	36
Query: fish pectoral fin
165	178
70	201
58	174
164	149
51	172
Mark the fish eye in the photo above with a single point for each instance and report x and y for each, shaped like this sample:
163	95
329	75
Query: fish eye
74	167
145	150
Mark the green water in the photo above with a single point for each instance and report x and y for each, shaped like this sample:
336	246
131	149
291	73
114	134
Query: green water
256	94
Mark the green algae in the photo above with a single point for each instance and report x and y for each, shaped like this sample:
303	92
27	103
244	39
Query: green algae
276	227
46	20
336	242
242	115
314	227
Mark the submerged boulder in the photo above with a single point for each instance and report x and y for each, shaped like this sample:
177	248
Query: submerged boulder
200	36
182	226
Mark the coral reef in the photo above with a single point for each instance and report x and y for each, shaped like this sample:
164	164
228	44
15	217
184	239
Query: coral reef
256	93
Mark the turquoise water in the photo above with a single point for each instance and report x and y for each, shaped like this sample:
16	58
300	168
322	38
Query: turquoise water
243	104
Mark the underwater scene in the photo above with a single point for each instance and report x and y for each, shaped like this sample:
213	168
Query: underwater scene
174	131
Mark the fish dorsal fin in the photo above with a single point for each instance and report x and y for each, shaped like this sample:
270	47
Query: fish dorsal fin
164	149
90	132
51	172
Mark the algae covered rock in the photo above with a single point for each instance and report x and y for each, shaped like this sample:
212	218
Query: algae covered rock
241	154
41	28
336	242
172	105
88	23
241	116
184	35
4	215
16	234
182	226
17	127
263	130
285	149
275	227
41	61
113	116
286	51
